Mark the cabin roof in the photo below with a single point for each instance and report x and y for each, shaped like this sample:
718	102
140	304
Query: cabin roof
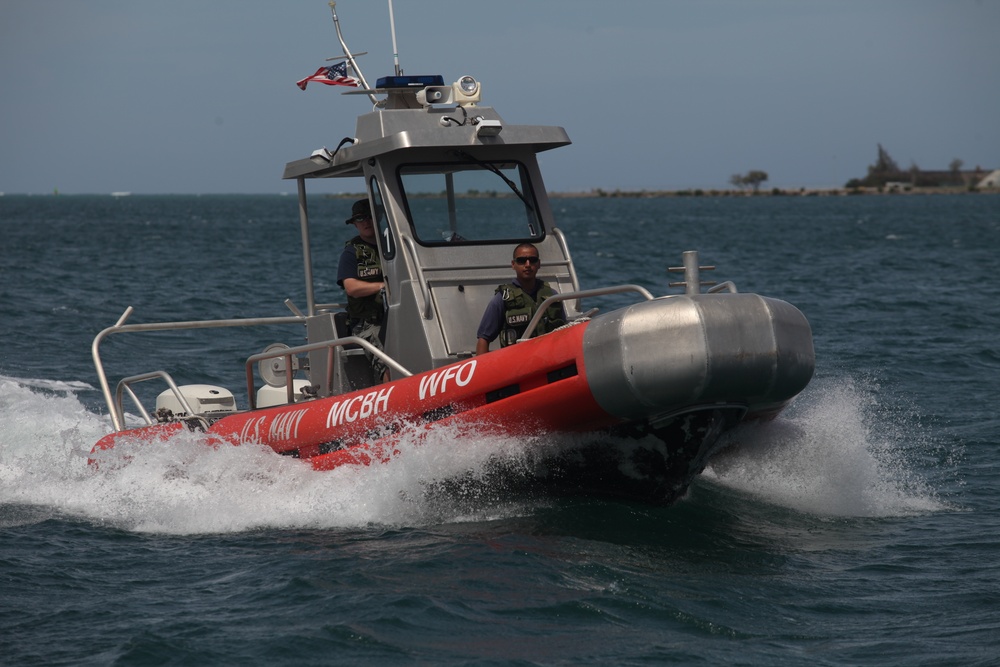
387	131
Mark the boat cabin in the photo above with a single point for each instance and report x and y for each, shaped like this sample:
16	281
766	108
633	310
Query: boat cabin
453	190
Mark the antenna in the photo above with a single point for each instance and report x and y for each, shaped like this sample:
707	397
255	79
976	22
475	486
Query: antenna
347	52
395	51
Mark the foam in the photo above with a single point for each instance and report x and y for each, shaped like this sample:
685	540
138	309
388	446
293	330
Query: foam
183	486
835	452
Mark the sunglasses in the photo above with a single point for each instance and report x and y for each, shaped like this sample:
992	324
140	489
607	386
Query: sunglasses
526	260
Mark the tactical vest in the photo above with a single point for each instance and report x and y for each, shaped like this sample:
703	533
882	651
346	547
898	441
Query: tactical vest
519	308
369	308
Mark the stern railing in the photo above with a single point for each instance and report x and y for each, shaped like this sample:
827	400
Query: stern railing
115	403
114	406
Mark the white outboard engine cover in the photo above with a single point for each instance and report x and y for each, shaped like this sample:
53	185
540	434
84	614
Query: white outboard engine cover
204	399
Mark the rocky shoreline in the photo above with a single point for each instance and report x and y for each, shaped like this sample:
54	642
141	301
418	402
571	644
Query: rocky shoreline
773	192
699	192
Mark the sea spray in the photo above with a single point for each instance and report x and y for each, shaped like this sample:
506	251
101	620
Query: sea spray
185	484
837	451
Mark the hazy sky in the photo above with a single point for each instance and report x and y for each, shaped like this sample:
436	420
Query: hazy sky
199	96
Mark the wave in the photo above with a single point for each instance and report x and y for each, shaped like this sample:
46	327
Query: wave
187	487
837	451
824	457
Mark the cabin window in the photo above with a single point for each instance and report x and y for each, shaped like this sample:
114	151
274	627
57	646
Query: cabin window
471	201
387	241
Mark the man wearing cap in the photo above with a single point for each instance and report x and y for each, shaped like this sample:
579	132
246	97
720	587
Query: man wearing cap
360	274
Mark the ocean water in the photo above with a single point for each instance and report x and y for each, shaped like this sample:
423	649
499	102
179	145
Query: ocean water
859	528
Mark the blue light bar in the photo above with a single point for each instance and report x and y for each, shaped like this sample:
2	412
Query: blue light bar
419	81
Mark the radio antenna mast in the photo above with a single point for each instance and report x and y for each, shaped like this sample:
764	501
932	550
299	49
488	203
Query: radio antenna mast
395	51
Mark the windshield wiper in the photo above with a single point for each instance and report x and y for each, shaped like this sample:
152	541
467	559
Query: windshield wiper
496	170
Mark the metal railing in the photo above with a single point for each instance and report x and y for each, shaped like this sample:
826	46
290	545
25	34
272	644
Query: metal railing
114	406
692	284
115	403
555	298
125	385
288	353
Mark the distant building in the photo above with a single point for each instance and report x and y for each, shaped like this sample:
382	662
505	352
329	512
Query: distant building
992	180
886	174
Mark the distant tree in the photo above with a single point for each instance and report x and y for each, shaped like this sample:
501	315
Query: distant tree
884	170
955	166
884	164
752	179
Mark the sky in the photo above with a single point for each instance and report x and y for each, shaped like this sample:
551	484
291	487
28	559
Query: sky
195	96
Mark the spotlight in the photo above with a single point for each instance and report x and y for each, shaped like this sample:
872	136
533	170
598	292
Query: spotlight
488	128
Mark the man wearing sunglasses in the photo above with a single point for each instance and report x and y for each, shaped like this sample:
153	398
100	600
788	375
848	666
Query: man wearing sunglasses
514	304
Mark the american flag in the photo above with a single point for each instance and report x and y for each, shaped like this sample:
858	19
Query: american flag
334	75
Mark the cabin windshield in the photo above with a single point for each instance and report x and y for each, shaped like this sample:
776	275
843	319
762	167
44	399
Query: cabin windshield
471	201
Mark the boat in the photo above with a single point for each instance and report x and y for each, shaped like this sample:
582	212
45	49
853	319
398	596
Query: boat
638	398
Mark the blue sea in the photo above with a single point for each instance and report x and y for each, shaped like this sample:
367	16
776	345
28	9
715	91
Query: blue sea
862	527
